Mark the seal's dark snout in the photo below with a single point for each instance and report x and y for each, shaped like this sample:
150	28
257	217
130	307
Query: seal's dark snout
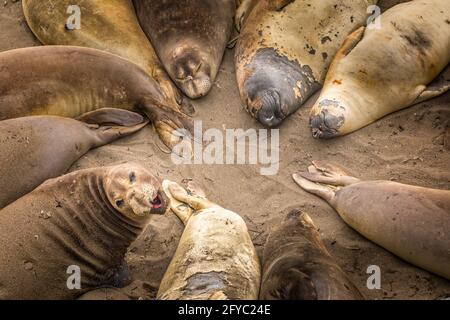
325	125
270	114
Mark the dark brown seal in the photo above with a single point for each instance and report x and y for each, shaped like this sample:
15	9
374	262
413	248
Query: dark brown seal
45	147
85	220
297	266
190	37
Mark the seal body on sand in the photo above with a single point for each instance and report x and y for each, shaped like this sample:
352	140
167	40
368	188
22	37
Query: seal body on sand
85	220
285	48
106	25
382	70
190	37
44	147
411	222
215	258
297	265
69	81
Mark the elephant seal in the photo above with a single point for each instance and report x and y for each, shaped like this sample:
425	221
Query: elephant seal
411	222
297	265
215	259
190	37
69	81
382	70
85	220
105	25
285	48
44	147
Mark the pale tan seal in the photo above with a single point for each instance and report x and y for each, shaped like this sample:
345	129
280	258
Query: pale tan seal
44	147
215	258
106	25
190	37
298	266
411	222
85	220
69	81
285	48
382	70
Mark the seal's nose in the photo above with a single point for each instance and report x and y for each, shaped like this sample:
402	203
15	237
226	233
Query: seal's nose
270	114
325	125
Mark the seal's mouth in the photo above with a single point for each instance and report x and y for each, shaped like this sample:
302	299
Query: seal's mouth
159	203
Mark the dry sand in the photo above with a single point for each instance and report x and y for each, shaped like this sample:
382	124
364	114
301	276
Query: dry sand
406	147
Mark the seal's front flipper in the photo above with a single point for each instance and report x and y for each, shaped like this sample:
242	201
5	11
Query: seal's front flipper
110	124
181	209
172	126
194	201
325	192
436	88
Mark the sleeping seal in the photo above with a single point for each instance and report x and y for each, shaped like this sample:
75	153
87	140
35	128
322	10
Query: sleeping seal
105	25
285	48
297	265
85	220
44	147
190	37
69	81
382	70
215	258
411	222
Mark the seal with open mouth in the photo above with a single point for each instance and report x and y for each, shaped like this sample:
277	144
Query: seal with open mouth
85	220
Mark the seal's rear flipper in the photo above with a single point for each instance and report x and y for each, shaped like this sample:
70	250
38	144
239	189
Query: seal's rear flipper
325	192
112	116
436	88
323	172
110	124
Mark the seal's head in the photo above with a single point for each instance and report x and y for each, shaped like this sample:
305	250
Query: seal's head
190	70
134	191
274	87
327	119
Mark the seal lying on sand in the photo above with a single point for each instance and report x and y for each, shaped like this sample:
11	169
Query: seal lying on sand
215	258
409	221
285	48
106	25
85	220
44	147
382	70
297	266
190	37
69	81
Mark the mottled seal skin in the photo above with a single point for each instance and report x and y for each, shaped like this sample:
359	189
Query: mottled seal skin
382	70
285	48
105	25
297	265
411	222
86	219
190	37
69	81
215	259
45	147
